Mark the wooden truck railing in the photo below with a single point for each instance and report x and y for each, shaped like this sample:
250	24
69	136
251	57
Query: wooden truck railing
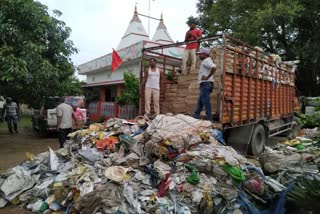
254	92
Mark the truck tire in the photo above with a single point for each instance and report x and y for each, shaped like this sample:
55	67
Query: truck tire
258	140
34	126
42	129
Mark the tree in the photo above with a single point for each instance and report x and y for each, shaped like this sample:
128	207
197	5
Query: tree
287	27
35	53
130	93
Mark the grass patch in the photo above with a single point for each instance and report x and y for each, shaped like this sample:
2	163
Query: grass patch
25	122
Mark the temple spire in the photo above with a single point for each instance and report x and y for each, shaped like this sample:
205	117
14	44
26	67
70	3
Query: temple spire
135	32
162	35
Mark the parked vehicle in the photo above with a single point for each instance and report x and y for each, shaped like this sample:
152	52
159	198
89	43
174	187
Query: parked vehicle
2	102
44	119
254	95
308	103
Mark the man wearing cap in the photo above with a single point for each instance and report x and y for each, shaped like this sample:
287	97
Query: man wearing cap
193	34
205	79
10	109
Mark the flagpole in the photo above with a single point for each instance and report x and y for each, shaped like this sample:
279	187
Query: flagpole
149	19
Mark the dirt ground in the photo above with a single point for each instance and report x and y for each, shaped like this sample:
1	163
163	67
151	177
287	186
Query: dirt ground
14	147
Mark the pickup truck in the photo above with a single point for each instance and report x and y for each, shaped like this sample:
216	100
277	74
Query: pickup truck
44	120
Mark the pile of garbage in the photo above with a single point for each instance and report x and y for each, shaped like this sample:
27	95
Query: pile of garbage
172	164
291	159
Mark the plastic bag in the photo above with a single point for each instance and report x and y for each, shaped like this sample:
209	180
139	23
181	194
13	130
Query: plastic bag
206	204
217	134
17	182
254	185
196	196
272	161
229	193
109	141
35	206
86	187
235	172
3	202
29	156
162	168
91	154
54	160
116	173
106	197
128	193
194	177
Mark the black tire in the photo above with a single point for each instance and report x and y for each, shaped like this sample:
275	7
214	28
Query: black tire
43	132
34	126
258	140
42	129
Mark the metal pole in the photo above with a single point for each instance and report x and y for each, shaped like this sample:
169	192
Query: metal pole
149	19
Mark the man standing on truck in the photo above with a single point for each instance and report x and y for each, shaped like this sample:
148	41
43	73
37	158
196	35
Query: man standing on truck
151	81
205	79
10	109
64	120
193	34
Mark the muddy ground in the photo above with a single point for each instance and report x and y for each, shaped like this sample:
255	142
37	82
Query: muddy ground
13	148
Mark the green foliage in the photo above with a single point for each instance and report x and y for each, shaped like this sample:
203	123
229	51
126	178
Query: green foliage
35	53
305	195
310	121
91	94
169	75
130	93
192	20
315	102
145	63
289	26
101	119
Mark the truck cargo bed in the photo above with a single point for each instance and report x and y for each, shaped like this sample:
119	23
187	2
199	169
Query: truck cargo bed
249	86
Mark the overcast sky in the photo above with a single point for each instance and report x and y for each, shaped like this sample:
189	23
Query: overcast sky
98	25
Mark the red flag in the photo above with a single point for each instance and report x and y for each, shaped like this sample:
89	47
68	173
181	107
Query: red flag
116	60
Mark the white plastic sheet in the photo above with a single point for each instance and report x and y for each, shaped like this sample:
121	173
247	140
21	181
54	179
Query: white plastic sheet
128	193
3	202
18	181
54	160
178	129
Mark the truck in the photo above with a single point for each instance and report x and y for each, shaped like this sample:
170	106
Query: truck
44	119
254	95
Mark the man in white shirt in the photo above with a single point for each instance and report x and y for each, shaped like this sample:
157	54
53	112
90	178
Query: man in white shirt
64	121
151	81
205	79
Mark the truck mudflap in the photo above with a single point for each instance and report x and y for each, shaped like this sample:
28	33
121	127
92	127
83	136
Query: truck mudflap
239	138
